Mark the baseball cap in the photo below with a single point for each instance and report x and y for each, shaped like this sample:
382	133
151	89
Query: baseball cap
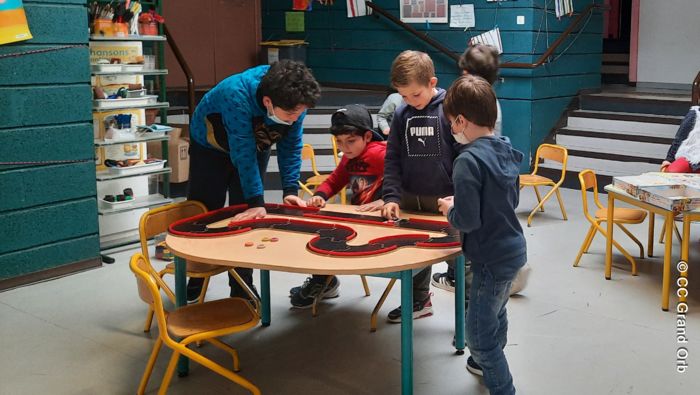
352	115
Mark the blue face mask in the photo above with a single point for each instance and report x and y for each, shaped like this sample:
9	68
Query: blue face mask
275	119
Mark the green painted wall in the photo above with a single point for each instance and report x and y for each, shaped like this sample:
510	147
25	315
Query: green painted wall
360	50
48	210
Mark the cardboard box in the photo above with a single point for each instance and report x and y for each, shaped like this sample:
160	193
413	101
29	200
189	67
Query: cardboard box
178	156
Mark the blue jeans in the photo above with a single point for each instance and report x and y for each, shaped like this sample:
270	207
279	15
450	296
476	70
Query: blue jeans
487	325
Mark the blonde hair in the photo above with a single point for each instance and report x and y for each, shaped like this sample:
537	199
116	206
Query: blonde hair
410	67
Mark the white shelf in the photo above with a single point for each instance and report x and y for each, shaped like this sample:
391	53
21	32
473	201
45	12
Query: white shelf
126	107
101	143
138	202
106	175
142	72
128	38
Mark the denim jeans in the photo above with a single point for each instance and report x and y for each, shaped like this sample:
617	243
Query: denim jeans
487	325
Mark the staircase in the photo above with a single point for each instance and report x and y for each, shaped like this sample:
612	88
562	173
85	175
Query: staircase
619	131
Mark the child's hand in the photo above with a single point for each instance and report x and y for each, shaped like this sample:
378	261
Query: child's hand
391	211
316	201
386	131
373	206
294	200
664	165
445	203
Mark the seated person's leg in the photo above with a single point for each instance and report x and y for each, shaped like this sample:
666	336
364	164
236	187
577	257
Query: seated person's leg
302	297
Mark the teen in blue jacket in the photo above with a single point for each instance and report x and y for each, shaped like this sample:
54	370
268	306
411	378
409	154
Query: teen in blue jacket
232	131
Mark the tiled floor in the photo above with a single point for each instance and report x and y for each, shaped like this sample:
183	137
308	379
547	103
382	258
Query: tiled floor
571	332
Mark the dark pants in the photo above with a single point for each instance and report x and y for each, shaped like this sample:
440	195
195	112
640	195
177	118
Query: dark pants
212	177
423	204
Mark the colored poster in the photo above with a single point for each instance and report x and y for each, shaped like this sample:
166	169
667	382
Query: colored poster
420	11
13	22
294	21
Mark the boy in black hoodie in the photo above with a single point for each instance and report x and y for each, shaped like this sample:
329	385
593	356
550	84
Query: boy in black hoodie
485	177
419	156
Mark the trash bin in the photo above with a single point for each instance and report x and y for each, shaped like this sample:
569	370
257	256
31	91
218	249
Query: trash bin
272	51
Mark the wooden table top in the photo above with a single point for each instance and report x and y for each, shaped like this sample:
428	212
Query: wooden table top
290	254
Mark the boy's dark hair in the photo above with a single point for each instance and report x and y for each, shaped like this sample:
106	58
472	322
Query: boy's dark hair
482	61
410	67
473	98
352	119
289	84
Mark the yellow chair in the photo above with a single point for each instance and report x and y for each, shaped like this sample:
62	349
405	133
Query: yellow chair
194	323
336	158
554	153
307	153
155	222
621	216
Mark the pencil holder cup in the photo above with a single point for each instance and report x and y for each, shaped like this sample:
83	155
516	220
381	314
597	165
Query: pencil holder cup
103	27
148	28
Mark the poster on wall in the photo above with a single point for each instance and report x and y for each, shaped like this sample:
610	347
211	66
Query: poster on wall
421	11
13	22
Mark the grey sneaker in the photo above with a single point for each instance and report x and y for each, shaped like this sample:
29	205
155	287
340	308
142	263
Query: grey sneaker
304	296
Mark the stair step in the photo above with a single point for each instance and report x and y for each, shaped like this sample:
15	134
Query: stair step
629	116
579	141
610	165
616	58
615	69
600	133
637	102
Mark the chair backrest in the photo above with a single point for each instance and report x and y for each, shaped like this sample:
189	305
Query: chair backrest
307	153
156	221
336	158
588	180
552	152
148	291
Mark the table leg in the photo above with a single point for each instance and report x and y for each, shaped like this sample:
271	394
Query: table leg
265	296
685	243
407	332
666	282
459	304
650	246
609	239
181	300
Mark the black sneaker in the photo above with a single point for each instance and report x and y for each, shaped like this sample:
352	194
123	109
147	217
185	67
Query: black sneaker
328	294
194	289
443	281
474	367
421	309
304	298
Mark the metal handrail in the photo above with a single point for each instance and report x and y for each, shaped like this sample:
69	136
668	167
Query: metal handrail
696	91
185	68
542	59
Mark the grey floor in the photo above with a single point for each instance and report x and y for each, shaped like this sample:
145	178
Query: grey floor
571	331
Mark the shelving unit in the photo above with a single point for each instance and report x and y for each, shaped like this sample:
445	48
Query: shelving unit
119	224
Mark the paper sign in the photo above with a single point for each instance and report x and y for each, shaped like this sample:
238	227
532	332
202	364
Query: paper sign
462	15
294	21
273	55
491	37
13	22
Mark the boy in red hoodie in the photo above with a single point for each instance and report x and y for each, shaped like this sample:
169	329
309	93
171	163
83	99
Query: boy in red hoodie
362	168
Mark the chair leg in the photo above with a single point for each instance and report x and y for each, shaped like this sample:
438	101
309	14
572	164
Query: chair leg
365	285
169	373
590	242
631	236
205	286
621	249
678	234
539	198
373	317
561	204
149	367
586	243
208	363
149	320
314	309
663	233
223	346
650	238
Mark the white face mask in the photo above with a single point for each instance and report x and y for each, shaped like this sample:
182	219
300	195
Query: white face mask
461	138
274	118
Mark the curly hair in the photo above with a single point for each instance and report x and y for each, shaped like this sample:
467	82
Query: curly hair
290	84
481	60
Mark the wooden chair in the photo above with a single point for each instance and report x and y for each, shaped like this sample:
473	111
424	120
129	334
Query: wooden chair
336	157
200	322
155	222
308	186
621	216
554	153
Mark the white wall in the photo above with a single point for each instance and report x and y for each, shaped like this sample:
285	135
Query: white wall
669	41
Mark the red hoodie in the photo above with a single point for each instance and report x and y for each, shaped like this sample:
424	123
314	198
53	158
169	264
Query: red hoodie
364	174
